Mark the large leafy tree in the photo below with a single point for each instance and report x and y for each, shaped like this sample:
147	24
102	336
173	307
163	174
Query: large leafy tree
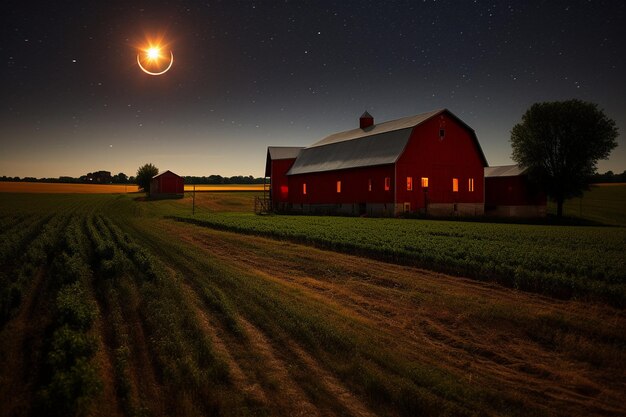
559	144
144	175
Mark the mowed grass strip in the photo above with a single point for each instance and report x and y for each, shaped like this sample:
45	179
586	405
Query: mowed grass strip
560	261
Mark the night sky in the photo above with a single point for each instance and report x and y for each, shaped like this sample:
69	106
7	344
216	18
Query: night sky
251	74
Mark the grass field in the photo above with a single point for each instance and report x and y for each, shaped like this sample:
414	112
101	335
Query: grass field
603	203
108	308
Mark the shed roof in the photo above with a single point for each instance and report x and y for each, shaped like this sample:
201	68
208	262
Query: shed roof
165	172
378	144
504	171
280	152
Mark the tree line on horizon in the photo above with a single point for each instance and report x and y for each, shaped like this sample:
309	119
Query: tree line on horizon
122	178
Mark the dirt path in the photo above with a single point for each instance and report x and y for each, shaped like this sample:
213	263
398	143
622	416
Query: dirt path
548	353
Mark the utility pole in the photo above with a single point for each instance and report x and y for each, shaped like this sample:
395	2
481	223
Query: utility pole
193	199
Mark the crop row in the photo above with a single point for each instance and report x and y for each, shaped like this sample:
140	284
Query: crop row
134	283
23	254
71	379
564	262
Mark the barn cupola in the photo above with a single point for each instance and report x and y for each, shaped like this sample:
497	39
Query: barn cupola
366	120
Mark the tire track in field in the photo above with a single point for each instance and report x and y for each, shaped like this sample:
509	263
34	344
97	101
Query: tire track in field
343	395
251	388
290	396
143	372
20	350
105	358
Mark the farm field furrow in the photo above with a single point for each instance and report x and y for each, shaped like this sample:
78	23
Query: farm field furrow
122	306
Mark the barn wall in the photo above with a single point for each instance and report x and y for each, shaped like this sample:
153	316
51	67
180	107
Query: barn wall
321	187
511	191
278	180
441	160
167	183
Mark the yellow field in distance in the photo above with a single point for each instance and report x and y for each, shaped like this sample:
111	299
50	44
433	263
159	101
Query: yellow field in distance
225	187
43	187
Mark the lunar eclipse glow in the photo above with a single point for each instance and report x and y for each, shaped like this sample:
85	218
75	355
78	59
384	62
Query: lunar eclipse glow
150	60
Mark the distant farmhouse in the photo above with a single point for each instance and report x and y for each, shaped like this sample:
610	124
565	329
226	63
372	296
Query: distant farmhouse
166	185
431	163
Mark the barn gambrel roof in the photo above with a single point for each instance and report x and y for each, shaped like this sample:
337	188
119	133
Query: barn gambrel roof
379	144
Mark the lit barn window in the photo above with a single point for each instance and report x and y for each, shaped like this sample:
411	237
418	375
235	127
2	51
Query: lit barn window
387	183
338	186
424	182
304	188
369	185
409	183
470	185
455	185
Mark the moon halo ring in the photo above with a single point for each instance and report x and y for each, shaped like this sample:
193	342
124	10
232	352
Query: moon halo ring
160	72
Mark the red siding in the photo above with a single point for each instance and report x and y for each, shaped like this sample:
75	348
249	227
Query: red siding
511	191
440	160
278	178
321	187
168	183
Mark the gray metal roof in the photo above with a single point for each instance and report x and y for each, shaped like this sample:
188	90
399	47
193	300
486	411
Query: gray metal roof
379	144
405	122
284	152
368	151
280	152
504	171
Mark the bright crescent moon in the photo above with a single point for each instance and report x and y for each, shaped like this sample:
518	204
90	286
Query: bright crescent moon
157	73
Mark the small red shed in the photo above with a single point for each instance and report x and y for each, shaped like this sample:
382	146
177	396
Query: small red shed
167	184
509	193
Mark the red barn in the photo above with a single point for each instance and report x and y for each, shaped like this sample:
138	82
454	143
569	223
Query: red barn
509	193
167	184
429	163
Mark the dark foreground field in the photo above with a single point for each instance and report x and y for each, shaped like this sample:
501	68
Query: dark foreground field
110	309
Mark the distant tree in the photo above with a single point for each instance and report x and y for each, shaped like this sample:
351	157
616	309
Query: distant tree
559	144
144	175
120	178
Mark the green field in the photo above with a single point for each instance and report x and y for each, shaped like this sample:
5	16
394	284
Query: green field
604	203
110	307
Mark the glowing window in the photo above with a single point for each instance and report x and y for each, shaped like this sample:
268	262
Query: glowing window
424	182
284	191
387	183
409	183
369	185
455	185
470	184
338	186
304	188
